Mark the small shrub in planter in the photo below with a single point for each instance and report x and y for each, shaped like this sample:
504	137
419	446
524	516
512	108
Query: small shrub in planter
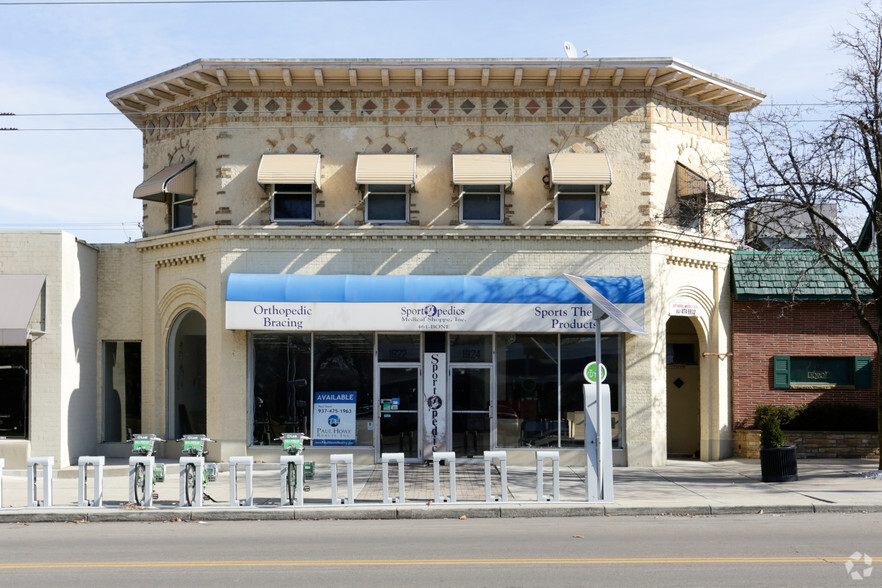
777	459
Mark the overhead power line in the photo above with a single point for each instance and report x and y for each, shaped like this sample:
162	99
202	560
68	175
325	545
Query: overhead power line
134	2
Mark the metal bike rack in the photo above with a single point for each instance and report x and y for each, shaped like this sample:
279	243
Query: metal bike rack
297	460
500	456
541	456
47	463
347	459
246	463
199	462
399	459
450	458
148	461
97	463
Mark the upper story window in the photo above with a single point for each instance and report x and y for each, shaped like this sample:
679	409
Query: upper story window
576	202
176	186
293	203
294	178
181	211
387	180
578	180
482	179
386	203
481	204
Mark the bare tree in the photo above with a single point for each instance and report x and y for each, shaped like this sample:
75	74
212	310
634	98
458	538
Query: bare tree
801	173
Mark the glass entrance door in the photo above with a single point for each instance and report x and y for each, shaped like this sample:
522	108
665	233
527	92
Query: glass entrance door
399	410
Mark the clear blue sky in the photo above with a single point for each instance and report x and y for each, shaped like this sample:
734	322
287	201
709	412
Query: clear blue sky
62	59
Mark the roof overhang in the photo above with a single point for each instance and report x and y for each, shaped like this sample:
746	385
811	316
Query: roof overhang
204	77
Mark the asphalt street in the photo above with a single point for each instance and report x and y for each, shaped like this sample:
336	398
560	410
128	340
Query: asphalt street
738	550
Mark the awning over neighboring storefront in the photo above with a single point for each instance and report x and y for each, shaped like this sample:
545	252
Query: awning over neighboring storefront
290	168
482	168
413	303
19	294
389	168
580	168
174	179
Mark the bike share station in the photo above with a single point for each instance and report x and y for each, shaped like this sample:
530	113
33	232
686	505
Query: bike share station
294	471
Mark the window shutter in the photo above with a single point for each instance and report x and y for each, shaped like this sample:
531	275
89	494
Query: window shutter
863	372
782	371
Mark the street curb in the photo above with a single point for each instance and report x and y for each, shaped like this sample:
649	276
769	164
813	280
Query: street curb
407	512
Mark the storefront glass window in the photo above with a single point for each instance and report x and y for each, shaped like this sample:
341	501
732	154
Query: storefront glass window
344	362
539	388
527	402
471	348
281	386
398	348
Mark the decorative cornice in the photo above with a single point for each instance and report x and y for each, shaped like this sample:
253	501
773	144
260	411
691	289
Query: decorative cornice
206	235
690	262
182	260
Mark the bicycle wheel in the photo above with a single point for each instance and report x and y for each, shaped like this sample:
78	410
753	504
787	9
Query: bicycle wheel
190	483
140	483
291	484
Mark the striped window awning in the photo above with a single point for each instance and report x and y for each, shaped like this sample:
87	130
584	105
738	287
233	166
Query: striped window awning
580	168
389	168
482	168
290	168
174	179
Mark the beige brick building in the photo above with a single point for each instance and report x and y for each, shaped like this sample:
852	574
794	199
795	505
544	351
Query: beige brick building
371	251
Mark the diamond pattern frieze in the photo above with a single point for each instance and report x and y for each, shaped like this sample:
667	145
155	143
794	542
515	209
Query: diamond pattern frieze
401	107
500	107
567	107
272	106
196	113
468	106
370	107
337	106
435	107
599	106
240	106
632	106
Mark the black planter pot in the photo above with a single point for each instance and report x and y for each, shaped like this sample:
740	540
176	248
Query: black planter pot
778	464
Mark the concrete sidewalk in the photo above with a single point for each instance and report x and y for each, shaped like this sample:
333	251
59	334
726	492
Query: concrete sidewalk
681	488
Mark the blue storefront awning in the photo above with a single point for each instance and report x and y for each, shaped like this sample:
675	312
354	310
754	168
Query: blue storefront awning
427	289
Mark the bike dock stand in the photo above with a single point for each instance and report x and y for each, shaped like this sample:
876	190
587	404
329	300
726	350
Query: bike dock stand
347	459
47	463
541	456
399	459
297	460
489	456
247	463
450	458
199	463
97	463
148	461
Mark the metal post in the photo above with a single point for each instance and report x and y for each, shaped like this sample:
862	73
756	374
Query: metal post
450	458
47	464
347	459
541	456
247	463
198	462
399	459
2	465
297	460
489	456
97	463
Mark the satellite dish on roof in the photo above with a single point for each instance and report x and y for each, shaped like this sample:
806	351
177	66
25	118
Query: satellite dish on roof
570	50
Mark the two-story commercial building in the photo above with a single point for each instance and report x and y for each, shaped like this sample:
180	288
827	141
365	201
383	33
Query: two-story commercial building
372	252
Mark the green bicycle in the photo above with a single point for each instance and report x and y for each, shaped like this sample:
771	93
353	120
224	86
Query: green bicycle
194	446
143	444
292	444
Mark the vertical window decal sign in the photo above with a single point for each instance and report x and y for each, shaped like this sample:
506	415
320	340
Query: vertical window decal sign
434	403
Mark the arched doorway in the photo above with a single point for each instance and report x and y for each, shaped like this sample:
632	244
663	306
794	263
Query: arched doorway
683	388
185	379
